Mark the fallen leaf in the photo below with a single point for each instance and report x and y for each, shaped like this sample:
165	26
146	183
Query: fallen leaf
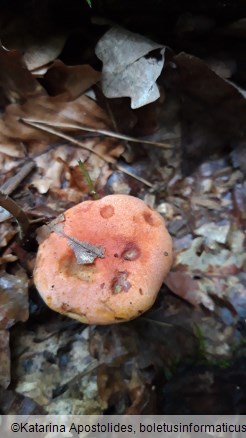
185	286
213	111
219	261
58	109
85	253
206	202
16	82
7	232
130	68
38	54
212	231
13	308
13	298
74	80
4	359
13	403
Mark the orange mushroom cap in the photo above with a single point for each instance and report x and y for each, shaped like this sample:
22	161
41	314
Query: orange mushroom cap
105	261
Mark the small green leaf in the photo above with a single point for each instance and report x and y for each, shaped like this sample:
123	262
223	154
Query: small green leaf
88	179
89	3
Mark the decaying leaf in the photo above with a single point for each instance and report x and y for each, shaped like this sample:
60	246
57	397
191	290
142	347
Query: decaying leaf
220	260
214	232
4	359
85	253
13	308
74	80
13	298
38	54
7	231
13	403
82	110
16	82
186	286
127	70
60	375
213	111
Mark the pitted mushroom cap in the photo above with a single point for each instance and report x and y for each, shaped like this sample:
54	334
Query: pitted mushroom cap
105	261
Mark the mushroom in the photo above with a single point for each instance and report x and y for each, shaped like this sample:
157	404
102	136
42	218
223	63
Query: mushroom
104	261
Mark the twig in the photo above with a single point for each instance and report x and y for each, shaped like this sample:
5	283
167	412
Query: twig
89	370
17	212
160	323
104	132
139	178
45	128
12	183
8	204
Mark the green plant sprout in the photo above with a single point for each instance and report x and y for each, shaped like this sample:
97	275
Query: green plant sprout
88	180
201	343
89	3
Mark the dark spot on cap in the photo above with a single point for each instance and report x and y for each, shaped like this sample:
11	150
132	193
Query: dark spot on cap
117	318
120	282
102	285
140	312
65	307
116	255
166	253
131	252
107	211
148	217
52	286
141	291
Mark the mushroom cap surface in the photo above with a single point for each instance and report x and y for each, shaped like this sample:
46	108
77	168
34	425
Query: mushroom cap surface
122	282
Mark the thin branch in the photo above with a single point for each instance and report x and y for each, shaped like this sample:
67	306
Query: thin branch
12	183
160	323
43	127
139	178
104	132
59	134
17	212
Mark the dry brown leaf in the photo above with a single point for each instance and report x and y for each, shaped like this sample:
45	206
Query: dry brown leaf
187	287
213	111
219	261
74	80
16	82
16	404
13	298
39	54
7	231
13	307
4	359
206	202
82	110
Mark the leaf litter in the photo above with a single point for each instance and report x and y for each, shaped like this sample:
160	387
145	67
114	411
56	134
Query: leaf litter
127	71
197	183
